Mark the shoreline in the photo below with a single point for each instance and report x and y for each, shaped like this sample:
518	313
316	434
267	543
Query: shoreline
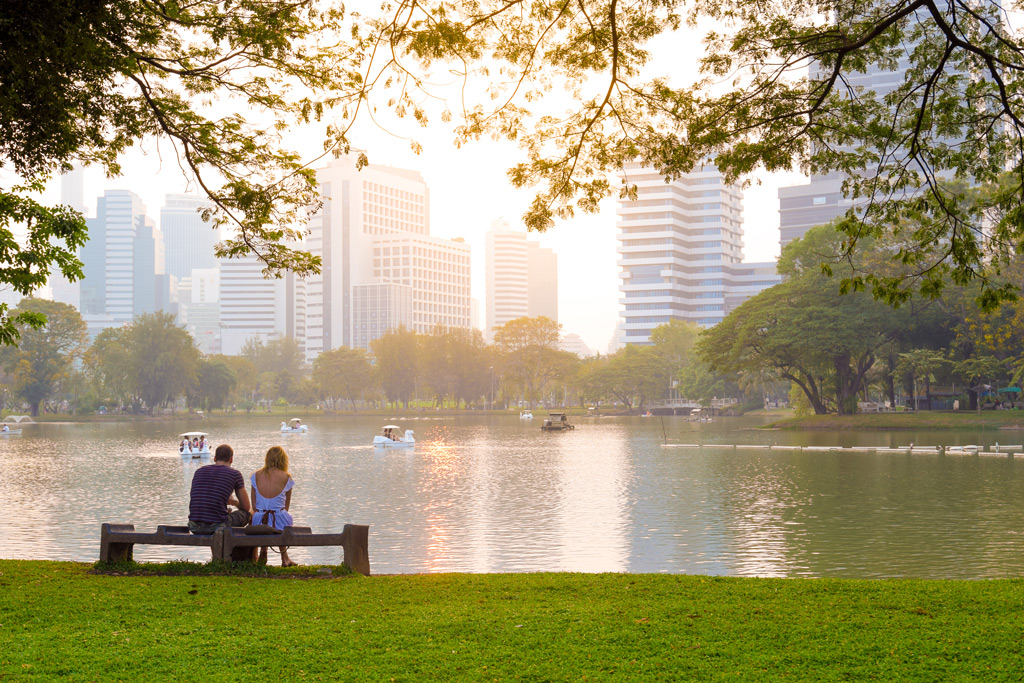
924	420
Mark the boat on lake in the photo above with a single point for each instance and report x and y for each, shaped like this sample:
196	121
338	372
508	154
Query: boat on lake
7	431
294	426
391	439
193	445
526	415
556	422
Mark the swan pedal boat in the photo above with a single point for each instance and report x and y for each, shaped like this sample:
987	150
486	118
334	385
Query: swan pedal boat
294	426
390	439
526	415
187	451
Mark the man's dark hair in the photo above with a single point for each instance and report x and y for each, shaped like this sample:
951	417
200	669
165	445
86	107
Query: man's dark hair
224	453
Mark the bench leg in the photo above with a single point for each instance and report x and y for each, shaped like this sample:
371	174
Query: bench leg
116	552
355	543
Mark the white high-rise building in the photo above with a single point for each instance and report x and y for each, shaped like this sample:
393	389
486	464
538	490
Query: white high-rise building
255	307
358	205
681	247
374	228
436	269
522	277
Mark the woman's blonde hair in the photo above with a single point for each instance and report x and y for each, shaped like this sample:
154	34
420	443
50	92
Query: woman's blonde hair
276	459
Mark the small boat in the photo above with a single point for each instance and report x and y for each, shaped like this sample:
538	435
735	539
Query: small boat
526	415
556	422
391	439
7	431
187	447
697	415
294	426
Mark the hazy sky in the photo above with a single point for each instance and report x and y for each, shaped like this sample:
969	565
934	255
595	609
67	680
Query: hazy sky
468	190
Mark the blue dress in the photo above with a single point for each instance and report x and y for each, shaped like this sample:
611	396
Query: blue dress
271	511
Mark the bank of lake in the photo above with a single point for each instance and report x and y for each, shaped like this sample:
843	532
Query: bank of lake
62	620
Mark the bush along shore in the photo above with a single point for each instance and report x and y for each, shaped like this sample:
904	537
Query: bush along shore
66	621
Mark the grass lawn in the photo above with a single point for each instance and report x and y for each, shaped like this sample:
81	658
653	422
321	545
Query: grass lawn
988	419
59	620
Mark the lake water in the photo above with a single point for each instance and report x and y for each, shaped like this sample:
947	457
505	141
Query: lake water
495	494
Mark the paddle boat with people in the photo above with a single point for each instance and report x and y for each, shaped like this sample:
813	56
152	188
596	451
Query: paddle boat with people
526	415
391	438
193	445
294	426
7	431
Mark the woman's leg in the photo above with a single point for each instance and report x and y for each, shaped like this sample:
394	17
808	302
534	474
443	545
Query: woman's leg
285	560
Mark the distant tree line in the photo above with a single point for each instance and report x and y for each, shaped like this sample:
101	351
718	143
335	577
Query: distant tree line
807	341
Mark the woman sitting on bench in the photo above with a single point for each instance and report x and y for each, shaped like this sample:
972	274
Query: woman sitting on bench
272	496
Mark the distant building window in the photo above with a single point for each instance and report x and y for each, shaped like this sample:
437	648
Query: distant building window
818	201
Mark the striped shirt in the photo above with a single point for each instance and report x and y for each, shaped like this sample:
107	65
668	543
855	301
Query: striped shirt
212	485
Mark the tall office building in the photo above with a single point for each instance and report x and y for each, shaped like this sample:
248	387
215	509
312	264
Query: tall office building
72	194
123	262
522	277
379	307
188	239
804	206
436	269
258	308
199	308
681	247
374	228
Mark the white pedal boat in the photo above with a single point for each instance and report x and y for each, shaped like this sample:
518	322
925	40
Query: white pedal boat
294	426
391	439
187	449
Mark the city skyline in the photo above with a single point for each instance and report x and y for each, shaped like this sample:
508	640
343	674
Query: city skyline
468	191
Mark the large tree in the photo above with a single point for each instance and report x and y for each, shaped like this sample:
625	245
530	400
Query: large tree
164	357
342	373
45	355
808	333
395	363
529	355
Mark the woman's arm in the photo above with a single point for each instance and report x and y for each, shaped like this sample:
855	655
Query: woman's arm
288	499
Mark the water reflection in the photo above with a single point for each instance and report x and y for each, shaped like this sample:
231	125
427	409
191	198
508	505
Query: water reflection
489	494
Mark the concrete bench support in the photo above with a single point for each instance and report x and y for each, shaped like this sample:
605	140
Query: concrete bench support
117	542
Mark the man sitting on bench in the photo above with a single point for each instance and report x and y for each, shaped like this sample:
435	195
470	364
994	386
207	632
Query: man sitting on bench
214	487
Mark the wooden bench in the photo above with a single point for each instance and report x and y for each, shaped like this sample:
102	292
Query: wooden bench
232	543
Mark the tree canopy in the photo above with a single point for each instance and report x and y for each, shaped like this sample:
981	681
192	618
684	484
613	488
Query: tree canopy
937	158
776	90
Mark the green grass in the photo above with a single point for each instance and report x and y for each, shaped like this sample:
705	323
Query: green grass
988	419
63	621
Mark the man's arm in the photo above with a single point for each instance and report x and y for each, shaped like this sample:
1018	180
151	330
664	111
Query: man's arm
243	499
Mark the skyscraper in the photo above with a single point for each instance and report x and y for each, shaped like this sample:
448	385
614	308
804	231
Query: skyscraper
374	228
122	261
72	193
522	277
802	207
189	240
255	307
681	247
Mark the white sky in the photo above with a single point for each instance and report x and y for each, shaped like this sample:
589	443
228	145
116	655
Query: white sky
468	189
